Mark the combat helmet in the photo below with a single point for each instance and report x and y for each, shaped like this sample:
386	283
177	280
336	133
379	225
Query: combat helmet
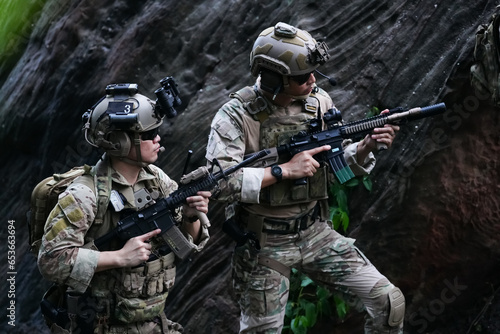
116	122
285	51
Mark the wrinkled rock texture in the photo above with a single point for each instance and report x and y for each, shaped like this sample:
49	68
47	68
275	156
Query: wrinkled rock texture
430	224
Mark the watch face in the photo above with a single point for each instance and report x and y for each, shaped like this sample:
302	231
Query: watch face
276	172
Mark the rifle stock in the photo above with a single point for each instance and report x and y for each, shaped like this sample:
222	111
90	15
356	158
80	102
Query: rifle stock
336	133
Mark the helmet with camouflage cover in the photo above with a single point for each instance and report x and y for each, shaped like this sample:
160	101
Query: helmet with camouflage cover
287	51
116	122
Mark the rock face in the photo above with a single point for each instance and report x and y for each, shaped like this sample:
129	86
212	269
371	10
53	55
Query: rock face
431	222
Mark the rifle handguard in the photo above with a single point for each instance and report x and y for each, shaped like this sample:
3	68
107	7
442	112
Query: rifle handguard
197	174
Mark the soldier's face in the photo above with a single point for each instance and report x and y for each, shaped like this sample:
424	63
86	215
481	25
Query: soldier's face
149	150
301	88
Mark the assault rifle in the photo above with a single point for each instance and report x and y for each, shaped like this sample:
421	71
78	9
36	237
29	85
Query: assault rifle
159	214
335	134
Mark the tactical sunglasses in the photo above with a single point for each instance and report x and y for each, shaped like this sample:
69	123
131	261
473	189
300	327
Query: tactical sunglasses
301	79
149	135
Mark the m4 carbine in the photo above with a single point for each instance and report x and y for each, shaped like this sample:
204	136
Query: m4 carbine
159	214
336	133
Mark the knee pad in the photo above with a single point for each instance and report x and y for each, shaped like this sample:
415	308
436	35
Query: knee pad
396	307
388	305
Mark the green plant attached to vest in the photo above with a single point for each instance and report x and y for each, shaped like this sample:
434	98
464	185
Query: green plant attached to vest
307	301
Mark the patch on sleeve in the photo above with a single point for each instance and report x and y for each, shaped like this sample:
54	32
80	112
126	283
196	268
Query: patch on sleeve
223	133
70	208
65	213
59	226
227	130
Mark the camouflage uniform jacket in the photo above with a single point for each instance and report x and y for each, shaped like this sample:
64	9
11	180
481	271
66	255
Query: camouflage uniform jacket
235	132
62	257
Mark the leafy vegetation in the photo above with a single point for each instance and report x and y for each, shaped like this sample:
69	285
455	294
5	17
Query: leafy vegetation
307	301
16	23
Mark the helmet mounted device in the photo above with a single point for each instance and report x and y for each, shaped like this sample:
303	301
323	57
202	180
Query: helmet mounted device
284	51
122	118
167	98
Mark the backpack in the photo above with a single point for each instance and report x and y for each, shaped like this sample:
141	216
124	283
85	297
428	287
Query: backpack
485	70
44	198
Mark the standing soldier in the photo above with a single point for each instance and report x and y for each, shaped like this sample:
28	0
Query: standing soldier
123	289
290	218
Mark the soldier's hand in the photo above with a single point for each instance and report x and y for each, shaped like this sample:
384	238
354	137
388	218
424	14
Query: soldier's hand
381	137
137	250
303	164
196	203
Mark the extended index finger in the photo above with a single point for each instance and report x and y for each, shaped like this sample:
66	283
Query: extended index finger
149	235
317	150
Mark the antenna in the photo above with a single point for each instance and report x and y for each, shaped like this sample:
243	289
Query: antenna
190	153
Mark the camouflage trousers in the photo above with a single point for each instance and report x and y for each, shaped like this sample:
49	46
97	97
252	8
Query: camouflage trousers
326	257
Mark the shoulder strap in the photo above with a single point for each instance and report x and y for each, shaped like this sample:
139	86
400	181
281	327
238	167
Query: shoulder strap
98	178
255	104
156	182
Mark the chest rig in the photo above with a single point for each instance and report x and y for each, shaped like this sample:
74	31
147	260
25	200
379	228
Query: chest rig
99	179
276	128
127	295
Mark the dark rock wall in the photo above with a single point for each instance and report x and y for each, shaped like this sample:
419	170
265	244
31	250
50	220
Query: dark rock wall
431	221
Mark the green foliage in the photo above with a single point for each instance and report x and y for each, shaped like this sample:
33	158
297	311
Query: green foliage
339	210
374	111
307	301
16	23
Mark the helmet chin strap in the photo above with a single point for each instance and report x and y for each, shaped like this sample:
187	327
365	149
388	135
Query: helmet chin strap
279	90
133	162
287	84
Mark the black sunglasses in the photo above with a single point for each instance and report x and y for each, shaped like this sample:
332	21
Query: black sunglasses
149	135
301	79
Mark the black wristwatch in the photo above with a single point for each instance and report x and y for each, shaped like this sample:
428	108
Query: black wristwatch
277	172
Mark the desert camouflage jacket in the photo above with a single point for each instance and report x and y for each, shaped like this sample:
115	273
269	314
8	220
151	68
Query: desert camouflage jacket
235	132
62	257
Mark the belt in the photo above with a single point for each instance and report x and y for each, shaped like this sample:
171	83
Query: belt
281	226
291	225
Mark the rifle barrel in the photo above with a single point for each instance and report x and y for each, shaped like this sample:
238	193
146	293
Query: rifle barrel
369	124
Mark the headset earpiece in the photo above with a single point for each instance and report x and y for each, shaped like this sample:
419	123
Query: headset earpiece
121	142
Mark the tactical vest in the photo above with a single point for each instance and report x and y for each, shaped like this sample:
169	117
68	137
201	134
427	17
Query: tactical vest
275	131
127	295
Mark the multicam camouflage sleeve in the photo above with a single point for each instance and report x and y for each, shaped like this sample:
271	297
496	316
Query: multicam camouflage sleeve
358	167
228	145
61	258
